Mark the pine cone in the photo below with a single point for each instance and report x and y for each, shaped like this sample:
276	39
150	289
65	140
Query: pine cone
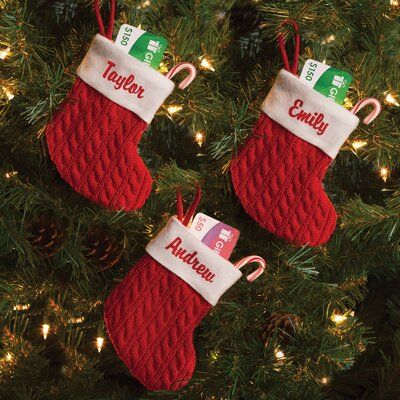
283	326
102	249
46	234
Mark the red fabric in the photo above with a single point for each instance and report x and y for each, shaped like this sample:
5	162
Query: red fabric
278	179
150	318
93	142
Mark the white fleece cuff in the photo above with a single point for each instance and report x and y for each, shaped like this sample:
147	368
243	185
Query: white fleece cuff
186	256
123	79
308	114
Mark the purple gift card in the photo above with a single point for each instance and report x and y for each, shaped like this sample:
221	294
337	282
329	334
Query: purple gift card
219	237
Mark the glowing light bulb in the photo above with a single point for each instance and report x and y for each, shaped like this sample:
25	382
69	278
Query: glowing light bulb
10	174
338	318
21	307
391	99
384	173
45	330
279	354
174	108
205	64
394	3
358	144
9	357
8	93
329	39
199	137
99	343
76	320
4	53
144	4
324	380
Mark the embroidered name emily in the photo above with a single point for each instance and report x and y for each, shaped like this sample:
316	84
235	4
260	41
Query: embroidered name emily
315	120
126	83
190	259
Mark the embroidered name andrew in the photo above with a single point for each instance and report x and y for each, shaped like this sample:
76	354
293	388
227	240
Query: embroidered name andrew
315	120
126	83
190	259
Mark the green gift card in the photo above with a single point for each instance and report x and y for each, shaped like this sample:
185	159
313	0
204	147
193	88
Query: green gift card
144	46
330	82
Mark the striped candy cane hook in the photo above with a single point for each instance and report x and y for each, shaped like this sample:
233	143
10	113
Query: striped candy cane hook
250	259
364	102
180	67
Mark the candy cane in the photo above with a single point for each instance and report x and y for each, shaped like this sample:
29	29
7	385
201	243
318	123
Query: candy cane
250	259
364	102
178	68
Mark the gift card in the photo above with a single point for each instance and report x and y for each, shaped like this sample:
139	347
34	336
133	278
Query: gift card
219	237
330	82
144	46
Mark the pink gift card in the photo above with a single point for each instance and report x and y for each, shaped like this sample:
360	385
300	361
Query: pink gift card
219	237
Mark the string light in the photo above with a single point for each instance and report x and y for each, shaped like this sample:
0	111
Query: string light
9	357
391	99
99	343
206	64
394	3
338	318
45	330
384	173
10	174
144	4
76	320
174	108
21	307
358	144
8	93
4	53
279	354
329	39
199	137
325	380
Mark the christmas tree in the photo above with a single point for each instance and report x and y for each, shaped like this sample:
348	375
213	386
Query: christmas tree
321	322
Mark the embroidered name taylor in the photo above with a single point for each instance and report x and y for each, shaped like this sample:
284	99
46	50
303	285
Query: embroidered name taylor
315	120
190	259
126	83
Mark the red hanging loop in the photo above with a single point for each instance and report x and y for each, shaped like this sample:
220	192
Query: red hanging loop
282	48
193	206
192	209
111	19
179	205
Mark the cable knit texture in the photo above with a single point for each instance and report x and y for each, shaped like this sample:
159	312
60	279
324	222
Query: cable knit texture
278	179
150	318
93	142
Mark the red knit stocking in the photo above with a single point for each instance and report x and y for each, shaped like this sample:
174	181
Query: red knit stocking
94	136
278	173
151	315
